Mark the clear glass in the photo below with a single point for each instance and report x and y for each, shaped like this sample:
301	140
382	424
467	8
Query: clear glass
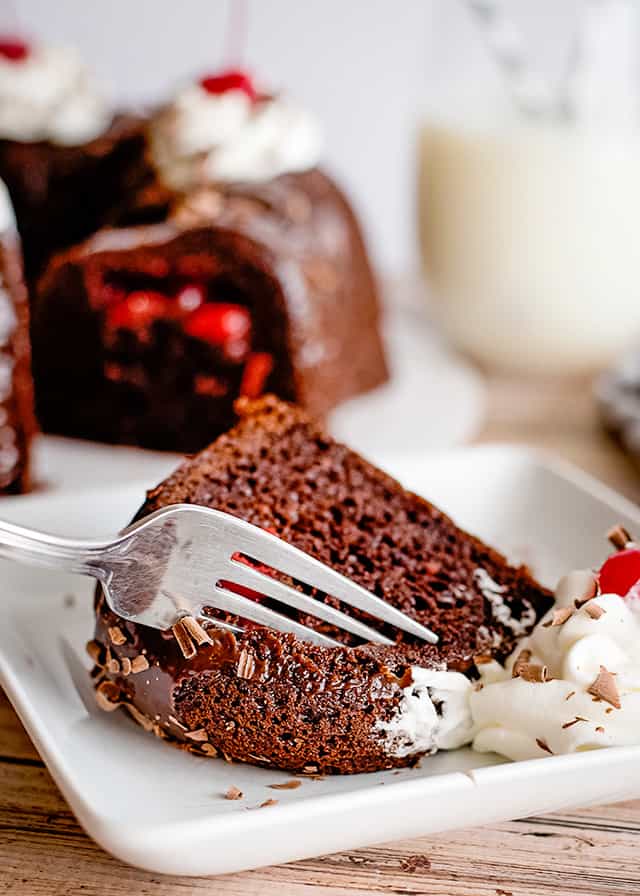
529	204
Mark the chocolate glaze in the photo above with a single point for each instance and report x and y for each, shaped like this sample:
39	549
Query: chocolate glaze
61	194
266	697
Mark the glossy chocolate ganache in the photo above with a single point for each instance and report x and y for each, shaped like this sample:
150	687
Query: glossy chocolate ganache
268	698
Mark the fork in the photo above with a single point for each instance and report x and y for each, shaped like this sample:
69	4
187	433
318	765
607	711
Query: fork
184	558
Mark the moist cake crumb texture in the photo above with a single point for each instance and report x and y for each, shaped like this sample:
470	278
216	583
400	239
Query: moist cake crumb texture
267	698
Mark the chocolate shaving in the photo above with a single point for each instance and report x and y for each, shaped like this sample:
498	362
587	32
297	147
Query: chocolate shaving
116	635
590	590
233	793
246	665
533	672
108	696
594	610
605	688
186	645
287	785
139	717
619	537
195	631
559	617
125	663
310	770
200	734
521	660
139	663
570	695
575	721
209	749
96	651
113	666
268	803
544	746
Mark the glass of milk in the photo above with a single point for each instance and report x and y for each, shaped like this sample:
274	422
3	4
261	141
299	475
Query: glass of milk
530	229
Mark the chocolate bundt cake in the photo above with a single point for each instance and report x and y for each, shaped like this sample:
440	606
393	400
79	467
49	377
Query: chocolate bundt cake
17	421
268	698
237	269
65	158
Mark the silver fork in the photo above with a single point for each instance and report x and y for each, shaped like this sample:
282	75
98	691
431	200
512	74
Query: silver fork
181	559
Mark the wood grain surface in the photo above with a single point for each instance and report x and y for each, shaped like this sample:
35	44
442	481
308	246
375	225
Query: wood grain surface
591	852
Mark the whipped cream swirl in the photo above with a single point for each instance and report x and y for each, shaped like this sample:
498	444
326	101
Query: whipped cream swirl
203	138
590	658
49	95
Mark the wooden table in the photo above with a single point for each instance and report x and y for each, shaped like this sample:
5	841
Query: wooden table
592	852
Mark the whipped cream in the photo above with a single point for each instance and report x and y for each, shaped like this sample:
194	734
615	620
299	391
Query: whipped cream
526	719
7	217
433	714
49	95
203	138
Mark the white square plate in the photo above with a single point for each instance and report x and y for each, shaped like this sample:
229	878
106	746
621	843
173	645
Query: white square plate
163	810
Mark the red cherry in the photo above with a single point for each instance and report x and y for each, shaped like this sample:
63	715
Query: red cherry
234	79
219	324
138	311
620	572
13	49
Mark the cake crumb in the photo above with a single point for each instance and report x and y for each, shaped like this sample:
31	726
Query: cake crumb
233	793
544	745
268	803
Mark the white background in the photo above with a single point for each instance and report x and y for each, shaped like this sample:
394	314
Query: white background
365	66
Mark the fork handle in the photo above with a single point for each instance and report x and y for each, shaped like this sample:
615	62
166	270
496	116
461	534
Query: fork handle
34	548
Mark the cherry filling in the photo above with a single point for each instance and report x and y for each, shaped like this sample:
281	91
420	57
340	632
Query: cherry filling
225	327
13	49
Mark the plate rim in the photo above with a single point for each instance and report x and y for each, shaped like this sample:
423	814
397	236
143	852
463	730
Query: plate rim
134	844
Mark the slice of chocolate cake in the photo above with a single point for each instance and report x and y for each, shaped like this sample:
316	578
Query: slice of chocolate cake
268	698
240	269
65	158
17	421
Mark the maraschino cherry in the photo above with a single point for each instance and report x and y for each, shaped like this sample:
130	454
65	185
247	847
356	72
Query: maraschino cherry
233	79
13	49
620	572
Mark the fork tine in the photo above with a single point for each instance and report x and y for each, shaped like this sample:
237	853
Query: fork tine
249	609
252	578
274	552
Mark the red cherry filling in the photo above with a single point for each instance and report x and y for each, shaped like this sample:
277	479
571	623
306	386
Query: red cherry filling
234	79
620	572
259	366
138	310
13	49
220	324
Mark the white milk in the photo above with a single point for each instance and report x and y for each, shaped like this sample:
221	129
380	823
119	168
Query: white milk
531	243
